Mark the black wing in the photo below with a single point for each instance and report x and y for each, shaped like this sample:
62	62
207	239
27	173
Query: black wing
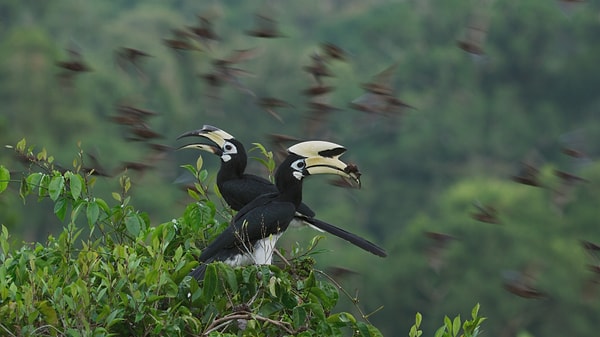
259	219
240	192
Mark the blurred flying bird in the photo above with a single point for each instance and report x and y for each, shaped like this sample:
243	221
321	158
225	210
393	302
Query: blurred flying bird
130	56
224	72
94	167
436	249
527	175
568	178
338	273
319	109
522	283
571	152
204	31
143	132
591	248
318	68
128	110
317	90
382	82
334	52
72	66
474	34
486	213
181	41
563	193
75	62
270	104
379	96
265	27
265	24
280	142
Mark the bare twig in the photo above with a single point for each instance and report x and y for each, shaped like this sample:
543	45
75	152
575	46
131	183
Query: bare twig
219	322
353	299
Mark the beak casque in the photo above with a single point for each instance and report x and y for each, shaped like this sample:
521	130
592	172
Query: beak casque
318	148
323	158
211	133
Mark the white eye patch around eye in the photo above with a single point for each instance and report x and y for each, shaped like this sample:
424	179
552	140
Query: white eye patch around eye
229	148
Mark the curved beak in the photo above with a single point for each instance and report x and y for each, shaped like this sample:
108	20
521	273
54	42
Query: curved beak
204	147
211	133
328	165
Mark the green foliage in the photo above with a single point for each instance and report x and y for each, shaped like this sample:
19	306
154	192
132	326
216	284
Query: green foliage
132	278
4	178
452	328
266	160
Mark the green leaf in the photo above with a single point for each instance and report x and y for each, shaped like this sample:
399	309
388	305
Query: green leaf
92	212
50	316
133	223
202	175
21	145
341	319
199	163
272	286
448	323
190	169
76	185
33	180
56	186
4	178
456	326
76	209
60	208
231	279
269	308
102	205
299	317
440	332
43	185
475	311
24	189
210	281
193	194
363	329
418	319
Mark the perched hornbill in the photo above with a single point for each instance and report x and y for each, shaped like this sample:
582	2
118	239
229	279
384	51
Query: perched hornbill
253	232
238	188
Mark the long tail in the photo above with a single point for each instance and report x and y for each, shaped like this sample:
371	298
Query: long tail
350	237
198	272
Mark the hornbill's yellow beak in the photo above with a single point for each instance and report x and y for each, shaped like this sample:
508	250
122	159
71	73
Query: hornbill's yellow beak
216	135
323	158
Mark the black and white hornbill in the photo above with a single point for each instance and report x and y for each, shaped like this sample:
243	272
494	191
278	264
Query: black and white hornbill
238	188
253	232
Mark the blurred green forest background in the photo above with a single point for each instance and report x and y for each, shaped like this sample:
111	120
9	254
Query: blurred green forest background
533	97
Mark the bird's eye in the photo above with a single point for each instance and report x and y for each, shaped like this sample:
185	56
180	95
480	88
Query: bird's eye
298	164
229	148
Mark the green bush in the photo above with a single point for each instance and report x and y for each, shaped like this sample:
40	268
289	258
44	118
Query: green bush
110	273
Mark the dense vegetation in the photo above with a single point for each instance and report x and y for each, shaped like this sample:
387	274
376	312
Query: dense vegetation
533	93
118	276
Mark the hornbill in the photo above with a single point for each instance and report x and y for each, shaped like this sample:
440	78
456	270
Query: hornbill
253	232
238	188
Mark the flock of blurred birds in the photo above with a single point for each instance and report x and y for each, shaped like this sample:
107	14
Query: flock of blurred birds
379	98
